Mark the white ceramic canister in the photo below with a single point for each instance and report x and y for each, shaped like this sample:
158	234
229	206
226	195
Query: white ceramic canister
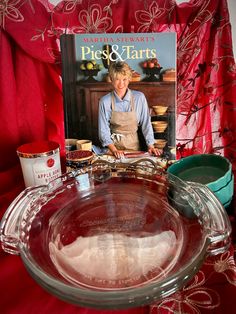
40	162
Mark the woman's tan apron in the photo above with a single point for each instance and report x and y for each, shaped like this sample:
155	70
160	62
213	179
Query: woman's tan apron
124	127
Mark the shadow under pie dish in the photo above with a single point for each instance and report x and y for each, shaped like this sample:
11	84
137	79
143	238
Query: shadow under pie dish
115	235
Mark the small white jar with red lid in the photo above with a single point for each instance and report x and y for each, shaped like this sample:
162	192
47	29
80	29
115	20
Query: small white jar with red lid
40	162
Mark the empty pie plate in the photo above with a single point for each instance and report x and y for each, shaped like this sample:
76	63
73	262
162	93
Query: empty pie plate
115	235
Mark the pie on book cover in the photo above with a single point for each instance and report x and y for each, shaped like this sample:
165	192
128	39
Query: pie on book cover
152	58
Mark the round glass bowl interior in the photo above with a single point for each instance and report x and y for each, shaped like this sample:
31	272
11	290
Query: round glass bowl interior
115	235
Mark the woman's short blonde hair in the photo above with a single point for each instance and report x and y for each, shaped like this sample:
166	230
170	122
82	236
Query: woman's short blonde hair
119	68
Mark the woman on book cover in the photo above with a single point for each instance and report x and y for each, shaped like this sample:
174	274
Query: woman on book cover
122	113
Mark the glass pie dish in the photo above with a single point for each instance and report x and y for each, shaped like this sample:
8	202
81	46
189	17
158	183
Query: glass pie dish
115	235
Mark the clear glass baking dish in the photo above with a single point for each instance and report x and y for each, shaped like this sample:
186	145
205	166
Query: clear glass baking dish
115	235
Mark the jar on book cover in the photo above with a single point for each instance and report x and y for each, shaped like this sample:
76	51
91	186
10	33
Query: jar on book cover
40	162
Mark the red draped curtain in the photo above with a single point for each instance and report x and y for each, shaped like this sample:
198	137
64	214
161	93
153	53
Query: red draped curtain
31	108
31	100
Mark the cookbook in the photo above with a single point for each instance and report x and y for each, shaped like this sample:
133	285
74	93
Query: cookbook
152	58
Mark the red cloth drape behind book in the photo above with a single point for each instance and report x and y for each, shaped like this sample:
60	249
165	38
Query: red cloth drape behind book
31	102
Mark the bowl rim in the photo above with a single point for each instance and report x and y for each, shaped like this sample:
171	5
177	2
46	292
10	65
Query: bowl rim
159	122
77	159
184	162
164	287
159	106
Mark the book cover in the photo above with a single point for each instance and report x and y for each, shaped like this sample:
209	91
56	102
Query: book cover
152	58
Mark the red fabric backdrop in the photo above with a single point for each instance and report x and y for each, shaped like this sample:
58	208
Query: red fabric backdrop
31	103
31	93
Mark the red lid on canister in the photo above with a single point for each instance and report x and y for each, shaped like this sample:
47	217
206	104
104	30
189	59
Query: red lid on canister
38	148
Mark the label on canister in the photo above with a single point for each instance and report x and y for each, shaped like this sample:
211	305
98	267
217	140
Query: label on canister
40	162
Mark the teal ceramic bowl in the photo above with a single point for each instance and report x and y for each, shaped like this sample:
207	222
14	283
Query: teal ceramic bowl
212	170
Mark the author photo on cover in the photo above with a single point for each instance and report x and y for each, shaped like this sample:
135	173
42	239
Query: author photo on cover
123	112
